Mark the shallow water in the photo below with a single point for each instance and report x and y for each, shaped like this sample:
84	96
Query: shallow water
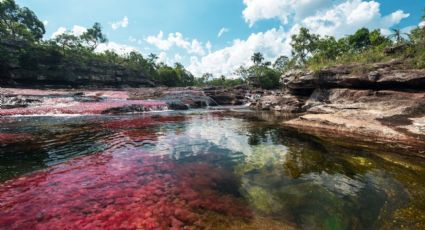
196	170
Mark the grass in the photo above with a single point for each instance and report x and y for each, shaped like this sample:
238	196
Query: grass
413	58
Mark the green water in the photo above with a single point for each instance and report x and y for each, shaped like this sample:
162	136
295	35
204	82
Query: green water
288	180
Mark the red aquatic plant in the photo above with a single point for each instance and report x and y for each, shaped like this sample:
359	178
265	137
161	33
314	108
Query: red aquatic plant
123	189
69	106
10	138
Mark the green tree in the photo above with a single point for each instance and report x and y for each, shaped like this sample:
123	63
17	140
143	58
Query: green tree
19	23
167	75
94	36
184	77
303	44
269	78
67	41
397	35
360	40
377	39
327	48
257	58
281	64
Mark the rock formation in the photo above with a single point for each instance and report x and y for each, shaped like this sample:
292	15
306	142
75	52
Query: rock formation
380	103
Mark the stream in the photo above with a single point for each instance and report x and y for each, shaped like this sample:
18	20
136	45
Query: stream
197	169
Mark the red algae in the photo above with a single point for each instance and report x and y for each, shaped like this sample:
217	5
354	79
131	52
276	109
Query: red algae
10	138
118	94
69	106
126	189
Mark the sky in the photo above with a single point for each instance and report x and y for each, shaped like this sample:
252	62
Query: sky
217	36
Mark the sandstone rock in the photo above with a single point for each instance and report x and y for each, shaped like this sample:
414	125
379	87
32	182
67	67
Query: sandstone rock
377	77
370	104
282	103
228	96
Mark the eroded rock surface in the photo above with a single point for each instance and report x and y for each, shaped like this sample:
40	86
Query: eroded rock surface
381	103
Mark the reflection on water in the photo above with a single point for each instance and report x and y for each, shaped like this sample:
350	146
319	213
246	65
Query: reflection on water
213	170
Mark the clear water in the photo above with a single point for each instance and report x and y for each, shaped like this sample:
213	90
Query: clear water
197	170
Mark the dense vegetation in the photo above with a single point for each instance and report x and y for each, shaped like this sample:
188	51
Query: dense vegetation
22	46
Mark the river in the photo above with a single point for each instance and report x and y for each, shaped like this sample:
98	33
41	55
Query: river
199	169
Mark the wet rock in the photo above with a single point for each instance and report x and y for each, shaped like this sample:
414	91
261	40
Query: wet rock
176	98
175	105
17	101
228	96
282	103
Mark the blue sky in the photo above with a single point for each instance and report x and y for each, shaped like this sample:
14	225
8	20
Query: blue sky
189	28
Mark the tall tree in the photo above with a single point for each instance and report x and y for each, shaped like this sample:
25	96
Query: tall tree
303	44
257	58
360	40
281	63
19	23
94	36
397	34
67	41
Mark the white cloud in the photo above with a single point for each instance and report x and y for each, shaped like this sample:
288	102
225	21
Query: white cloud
271	43
324	17
162	57
196	48
58	32
120	49
176	39
422	24
177	58
135	40
208	45
166	43
321	14
45	22
281	9
120	24
76	30
346	17
222	31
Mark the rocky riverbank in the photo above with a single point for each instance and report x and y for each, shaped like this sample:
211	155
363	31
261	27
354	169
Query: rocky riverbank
367	105
377	105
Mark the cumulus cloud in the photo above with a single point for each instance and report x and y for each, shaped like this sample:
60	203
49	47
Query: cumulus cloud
176	39
222	31
135	40
177	58
208	45
196	48
346	17
120	24
162	43
162	57
271	43
120	49
281	9
422	24
324	17
58	32
76	30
